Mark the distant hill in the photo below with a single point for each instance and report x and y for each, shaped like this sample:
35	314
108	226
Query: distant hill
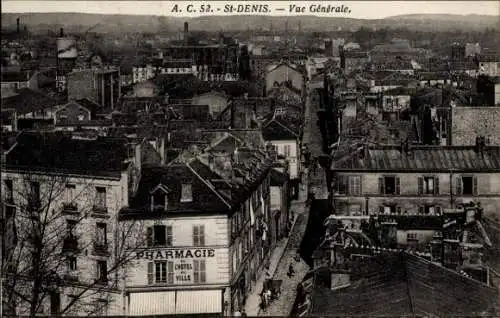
79	22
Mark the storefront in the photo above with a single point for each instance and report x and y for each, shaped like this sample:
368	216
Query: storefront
177	281
176	302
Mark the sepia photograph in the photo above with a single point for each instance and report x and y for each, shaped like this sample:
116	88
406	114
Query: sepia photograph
250	158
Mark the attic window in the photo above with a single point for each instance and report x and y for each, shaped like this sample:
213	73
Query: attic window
187	194
159	197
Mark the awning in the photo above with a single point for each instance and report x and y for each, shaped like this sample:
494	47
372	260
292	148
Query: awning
199	301
153	303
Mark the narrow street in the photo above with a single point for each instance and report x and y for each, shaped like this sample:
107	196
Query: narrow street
284	305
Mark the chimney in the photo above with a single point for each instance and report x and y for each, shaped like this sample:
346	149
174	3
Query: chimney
480	144
232	114
186	31
61	32
18	25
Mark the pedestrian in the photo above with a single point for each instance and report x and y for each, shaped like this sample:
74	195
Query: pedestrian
267	296
291	271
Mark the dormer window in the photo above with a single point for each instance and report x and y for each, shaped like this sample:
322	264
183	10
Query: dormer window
186	193
159	197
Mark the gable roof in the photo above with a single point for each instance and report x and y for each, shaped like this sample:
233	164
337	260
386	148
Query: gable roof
205	198
277	129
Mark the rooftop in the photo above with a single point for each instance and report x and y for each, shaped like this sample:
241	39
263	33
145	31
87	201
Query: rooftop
401	285
421	158
59	152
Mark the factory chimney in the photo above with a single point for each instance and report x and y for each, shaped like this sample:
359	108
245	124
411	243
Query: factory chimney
61	32
186	31
18	25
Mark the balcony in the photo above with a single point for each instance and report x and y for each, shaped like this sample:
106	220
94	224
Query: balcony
100	249
100	211
70	244
70	208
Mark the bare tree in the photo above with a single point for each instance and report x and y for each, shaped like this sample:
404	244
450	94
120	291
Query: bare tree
53	222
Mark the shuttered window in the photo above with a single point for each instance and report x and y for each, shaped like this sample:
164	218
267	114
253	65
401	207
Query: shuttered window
355	185
199	271
161	272
389	185
160	235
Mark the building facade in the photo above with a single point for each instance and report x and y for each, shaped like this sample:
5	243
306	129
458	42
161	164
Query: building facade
207	223
422	180
75	202
102	86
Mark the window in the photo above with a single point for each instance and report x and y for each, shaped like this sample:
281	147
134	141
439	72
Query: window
467	185
160	235
199	235
159	199
199	271
355	185
55	303
287	150
429	210
390	209
9	191
72	263
100	197
411	236
70	193
102	308
161	272
35	191
102	271
70	228
186	195
101	235
428	185
389	185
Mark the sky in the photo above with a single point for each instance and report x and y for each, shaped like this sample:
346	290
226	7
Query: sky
358	9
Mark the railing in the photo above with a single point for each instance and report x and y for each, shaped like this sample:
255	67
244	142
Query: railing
70	208
101	249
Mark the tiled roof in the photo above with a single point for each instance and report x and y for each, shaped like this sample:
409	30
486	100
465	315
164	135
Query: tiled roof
172	176
277	128
422	158
59	152
27	101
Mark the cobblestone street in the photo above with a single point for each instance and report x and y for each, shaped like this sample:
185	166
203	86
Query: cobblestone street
284	305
